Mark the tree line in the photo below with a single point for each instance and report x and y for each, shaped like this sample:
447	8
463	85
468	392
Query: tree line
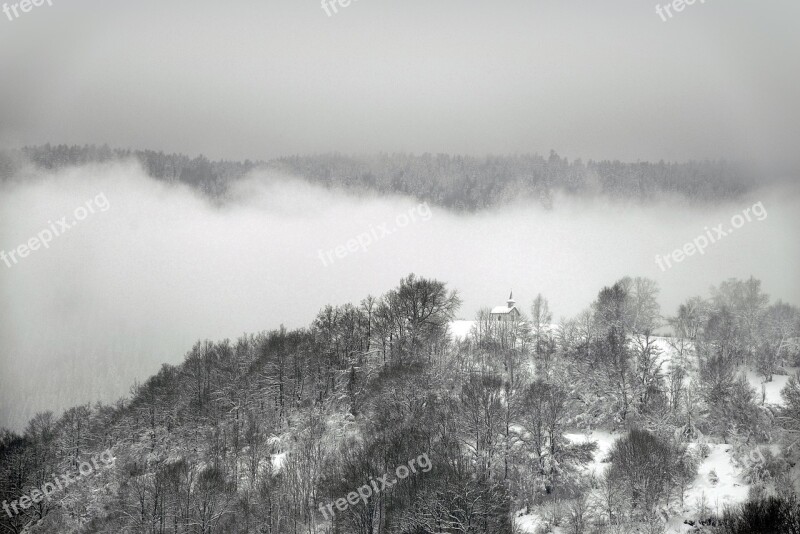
460	183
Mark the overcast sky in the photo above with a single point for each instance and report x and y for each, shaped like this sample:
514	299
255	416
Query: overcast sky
262	78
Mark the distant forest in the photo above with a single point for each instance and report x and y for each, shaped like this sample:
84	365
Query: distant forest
460	183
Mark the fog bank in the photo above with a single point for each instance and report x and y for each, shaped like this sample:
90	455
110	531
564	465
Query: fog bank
132	286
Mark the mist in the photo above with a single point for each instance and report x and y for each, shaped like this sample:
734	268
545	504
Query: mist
596	79
134	285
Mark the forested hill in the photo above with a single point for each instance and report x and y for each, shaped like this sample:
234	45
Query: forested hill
210	177
462	183
260	435
472	183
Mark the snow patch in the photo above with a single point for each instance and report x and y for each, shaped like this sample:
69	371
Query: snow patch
729	489
460	329
772	390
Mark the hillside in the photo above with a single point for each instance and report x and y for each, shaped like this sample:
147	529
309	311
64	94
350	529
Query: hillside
388	416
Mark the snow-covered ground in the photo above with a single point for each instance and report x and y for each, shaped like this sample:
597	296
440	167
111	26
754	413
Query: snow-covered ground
604	440
772	390
532	523
729	488
713	493
460	329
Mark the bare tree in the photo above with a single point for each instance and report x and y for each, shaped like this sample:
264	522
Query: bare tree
643	467
482	412
542	332
778	337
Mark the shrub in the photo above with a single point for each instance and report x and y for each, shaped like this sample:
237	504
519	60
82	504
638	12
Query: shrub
762	465
646	469
766	515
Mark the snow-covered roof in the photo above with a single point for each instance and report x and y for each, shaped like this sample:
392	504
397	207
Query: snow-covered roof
502	310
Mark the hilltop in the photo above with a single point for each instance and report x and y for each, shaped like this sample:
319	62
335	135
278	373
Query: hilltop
516	422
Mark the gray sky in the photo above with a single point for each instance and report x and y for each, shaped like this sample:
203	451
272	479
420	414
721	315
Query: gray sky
258	79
